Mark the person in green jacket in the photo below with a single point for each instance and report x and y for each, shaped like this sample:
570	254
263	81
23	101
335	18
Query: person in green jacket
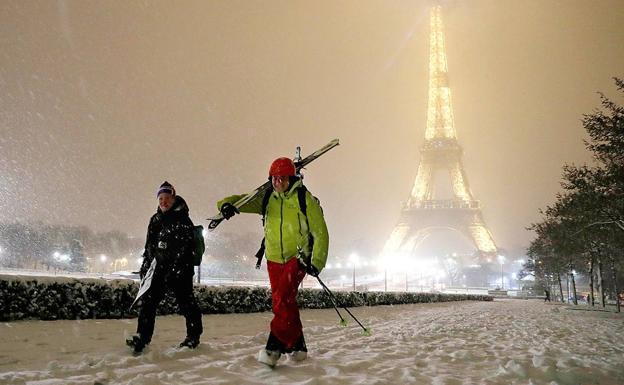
295	244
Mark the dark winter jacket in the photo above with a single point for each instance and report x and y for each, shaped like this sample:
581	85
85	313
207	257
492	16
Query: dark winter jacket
170	241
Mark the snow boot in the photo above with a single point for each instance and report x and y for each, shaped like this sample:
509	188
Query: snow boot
190	342
269	357
136	343
298	355
300	350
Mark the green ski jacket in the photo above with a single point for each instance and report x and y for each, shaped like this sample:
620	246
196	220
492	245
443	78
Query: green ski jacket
286	228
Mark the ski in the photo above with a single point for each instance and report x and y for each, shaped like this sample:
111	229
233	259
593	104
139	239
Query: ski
299	165
146	282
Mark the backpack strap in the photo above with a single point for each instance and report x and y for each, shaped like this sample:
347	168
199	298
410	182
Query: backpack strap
265	202
301	194
303	205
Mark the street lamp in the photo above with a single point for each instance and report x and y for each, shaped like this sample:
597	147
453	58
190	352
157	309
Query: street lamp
354	258
103	259
501	260
385	279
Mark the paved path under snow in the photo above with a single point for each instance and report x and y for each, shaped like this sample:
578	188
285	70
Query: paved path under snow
500	342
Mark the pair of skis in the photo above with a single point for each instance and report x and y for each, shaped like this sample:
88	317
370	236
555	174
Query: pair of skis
299	164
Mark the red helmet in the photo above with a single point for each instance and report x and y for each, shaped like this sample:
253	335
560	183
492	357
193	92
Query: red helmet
282	167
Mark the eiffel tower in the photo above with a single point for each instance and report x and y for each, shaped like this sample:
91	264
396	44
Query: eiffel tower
422	213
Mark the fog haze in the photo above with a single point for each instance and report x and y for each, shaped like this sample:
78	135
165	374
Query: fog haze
100	102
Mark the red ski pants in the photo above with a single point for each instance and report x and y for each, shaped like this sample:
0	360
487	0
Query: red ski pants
285	280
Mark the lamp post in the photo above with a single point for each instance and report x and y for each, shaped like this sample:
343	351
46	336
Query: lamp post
354	260
385	279
406	288
103	259
501	260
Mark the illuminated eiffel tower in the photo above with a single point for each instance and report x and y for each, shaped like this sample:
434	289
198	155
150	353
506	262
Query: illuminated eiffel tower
422	213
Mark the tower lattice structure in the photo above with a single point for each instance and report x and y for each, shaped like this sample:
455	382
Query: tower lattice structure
423	213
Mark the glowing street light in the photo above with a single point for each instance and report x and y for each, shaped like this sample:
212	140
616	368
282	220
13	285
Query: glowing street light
103	258
501	260
354	259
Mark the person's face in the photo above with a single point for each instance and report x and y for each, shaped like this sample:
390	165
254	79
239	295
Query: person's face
165	201
280	183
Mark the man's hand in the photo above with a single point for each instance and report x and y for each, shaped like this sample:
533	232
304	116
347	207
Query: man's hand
312	270
143	271
307	265
228	210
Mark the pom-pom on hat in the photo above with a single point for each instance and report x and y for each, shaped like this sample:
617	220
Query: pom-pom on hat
166	187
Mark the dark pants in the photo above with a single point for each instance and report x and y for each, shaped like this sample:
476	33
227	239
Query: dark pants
183	290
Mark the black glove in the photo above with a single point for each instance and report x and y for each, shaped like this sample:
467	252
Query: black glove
308	267
312	270
143	271
228	210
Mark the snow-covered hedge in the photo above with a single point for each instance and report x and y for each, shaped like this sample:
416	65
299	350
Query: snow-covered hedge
51	298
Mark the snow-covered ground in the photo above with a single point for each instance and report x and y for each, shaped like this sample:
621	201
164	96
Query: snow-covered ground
500	342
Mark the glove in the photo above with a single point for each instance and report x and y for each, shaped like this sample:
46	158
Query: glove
228	210
312	270
308	267
143	271
145	265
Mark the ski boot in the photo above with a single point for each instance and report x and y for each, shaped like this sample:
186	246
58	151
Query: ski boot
136	343
190	342
299	351
269	357
272	351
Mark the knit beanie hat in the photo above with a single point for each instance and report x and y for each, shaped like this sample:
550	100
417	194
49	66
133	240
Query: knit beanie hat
166	187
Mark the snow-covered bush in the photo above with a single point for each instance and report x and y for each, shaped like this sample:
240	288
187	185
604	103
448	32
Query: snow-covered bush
51	298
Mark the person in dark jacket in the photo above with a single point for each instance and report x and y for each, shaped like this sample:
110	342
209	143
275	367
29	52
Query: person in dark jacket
546	295
168	258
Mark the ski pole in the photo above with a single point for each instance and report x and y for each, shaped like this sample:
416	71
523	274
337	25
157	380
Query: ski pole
343	322
333	300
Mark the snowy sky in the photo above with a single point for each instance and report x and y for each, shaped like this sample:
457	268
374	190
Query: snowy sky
102	101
